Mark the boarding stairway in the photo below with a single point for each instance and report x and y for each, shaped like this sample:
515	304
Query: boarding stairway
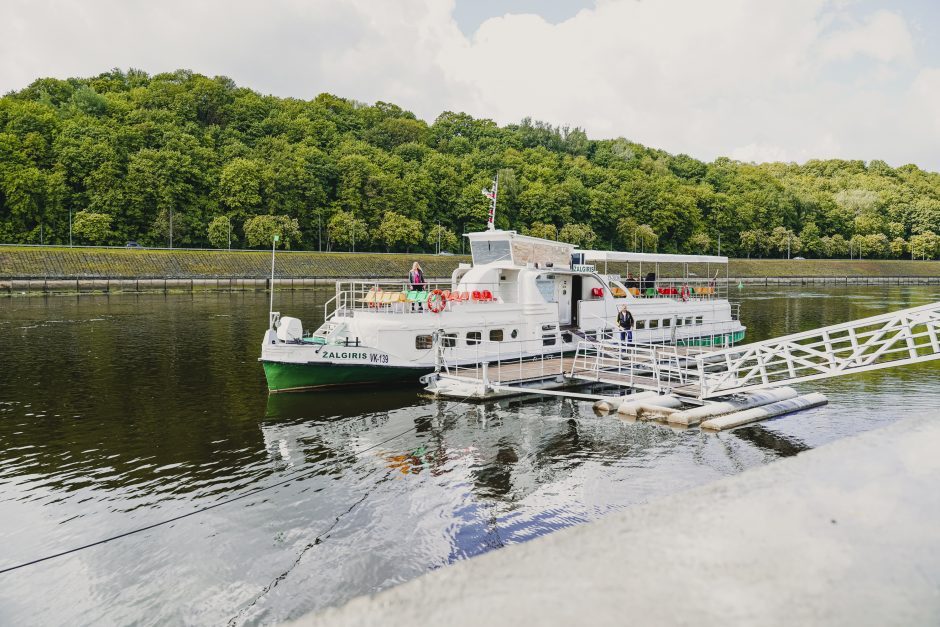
899	338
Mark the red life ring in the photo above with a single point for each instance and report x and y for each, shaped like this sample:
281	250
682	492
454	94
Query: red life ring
684	293
436	302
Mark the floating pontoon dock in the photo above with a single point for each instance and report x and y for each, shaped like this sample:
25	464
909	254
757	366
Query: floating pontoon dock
730	381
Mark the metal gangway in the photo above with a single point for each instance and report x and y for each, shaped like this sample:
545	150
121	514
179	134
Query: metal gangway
899	338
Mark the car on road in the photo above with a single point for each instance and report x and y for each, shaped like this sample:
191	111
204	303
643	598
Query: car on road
132	244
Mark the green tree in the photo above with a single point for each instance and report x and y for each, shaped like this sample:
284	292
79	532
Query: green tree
396	231
835	246
545	231
925	245
220	232
581	235
898	246
876	245
647	237
783	241
441	235
810	239
699	243
241	185
93	228
260	231
347	231
753	241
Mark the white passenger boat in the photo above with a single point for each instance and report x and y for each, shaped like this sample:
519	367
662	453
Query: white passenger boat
521	296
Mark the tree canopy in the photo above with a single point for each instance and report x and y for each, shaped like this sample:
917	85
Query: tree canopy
187	156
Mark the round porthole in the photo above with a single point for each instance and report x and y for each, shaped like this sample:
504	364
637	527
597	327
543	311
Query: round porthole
514	334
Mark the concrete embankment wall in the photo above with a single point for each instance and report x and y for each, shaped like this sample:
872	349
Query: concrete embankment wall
36	269
106	285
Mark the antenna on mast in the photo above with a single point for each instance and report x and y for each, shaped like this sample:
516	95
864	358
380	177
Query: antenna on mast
491	194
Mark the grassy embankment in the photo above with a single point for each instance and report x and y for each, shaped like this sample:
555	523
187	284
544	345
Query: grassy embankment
78	263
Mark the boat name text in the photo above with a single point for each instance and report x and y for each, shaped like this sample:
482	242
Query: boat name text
376	358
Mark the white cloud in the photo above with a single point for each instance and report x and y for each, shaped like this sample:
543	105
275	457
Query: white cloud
794	80
883	36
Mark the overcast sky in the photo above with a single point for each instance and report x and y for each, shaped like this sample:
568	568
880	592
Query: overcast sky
754	80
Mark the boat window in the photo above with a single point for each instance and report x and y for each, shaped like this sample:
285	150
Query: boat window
547	289
488	251
449	340
496	335
514	334
548	340
689	320
678	322
474	338
698	319
667	322
641	324
423	342
617	289
654	324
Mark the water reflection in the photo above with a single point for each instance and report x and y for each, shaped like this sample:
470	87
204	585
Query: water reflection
776	443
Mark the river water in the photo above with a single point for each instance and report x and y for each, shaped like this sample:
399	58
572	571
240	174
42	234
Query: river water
120	411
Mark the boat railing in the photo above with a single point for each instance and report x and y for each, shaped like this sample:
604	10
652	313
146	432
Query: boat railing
396	296
493	362
685	289
675	332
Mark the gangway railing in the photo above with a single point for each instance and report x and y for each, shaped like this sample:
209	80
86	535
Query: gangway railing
656	367
903	337
498	362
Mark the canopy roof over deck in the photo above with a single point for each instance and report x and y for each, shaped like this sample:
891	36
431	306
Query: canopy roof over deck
614	256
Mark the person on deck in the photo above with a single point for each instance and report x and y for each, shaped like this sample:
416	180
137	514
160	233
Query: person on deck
625	322
417	282
631	281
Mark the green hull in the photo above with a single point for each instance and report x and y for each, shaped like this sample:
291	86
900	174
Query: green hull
713	340
285	377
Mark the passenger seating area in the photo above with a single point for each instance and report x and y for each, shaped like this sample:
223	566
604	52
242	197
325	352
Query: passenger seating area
377	298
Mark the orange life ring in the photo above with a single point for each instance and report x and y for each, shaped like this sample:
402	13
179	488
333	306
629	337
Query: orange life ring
436	302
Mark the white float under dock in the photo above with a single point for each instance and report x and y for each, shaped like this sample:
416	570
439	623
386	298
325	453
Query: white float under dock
737	419
692	417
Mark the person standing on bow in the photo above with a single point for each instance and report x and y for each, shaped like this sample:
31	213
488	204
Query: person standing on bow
416	279
625	322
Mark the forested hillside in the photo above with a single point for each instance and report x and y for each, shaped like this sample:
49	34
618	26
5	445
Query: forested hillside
198	159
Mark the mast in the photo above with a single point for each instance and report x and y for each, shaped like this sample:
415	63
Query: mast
491	194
